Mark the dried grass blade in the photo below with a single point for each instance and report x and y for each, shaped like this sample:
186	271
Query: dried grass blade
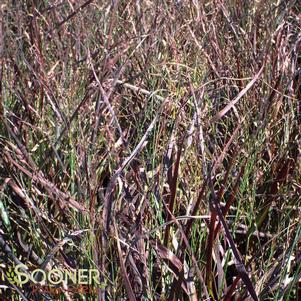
126	279
231	104
237	258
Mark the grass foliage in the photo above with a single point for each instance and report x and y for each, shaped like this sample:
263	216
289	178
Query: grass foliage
156	141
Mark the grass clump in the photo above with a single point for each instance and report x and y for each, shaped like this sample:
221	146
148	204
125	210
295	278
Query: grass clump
157	143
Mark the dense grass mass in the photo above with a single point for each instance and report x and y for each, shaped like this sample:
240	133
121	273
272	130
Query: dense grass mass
157	142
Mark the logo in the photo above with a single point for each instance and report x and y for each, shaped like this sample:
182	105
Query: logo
54	282
20	275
